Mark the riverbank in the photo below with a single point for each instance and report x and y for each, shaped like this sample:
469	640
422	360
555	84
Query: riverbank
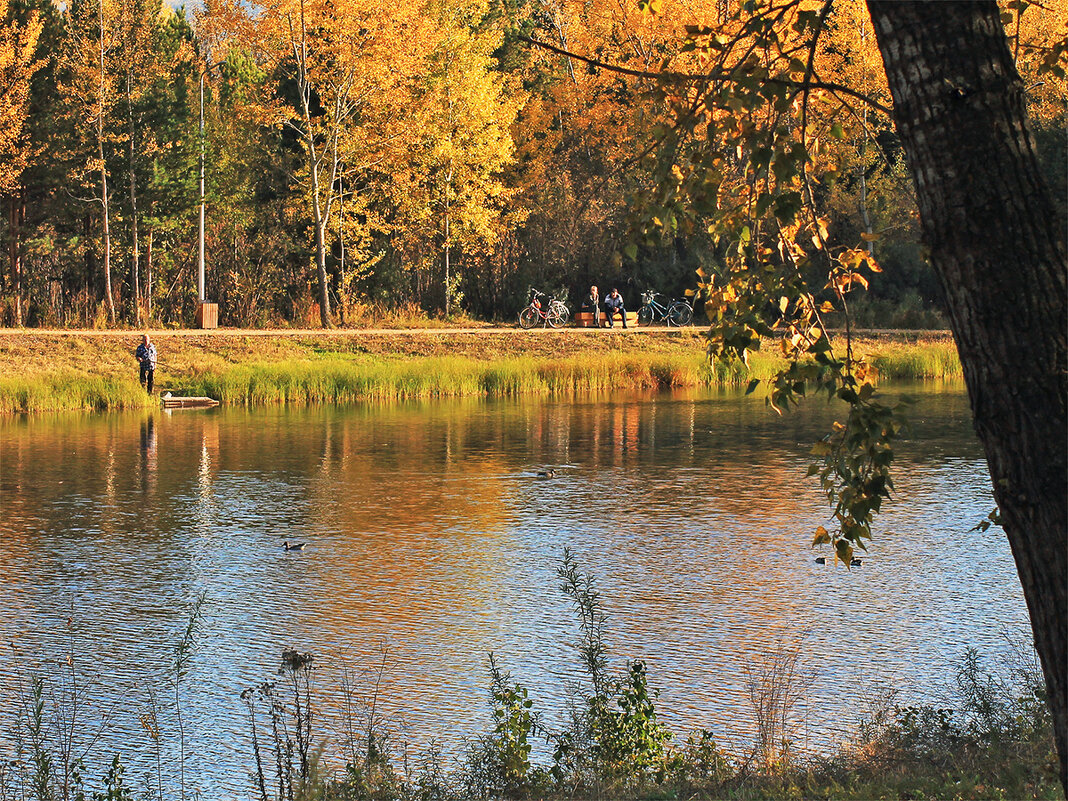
71	370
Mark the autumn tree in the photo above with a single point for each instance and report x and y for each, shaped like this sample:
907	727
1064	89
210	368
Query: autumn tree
90	95
18	63
464	140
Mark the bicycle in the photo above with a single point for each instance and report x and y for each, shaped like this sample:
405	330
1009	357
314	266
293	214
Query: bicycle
678	312
554	313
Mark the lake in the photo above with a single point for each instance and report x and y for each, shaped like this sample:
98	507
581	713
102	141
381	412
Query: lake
431	542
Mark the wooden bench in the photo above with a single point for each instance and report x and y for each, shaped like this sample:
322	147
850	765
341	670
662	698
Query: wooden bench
584	319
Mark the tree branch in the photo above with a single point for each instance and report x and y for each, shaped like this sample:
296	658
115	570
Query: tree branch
686	77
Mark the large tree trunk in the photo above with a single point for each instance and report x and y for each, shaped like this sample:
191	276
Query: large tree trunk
998	245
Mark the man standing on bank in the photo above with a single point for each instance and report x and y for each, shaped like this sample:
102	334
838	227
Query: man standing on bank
146	356
612	304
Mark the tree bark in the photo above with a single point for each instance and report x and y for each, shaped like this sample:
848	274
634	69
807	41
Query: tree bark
315	157
104	175
998	246
15	254
135	245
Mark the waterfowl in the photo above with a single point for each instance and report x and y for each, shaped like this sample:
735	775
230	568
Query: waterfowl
546	473
298	547
821	560
854	562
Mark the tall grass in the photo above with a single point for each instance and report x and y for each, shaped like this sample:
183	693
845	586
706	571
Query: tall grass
71	391
928	359
337	377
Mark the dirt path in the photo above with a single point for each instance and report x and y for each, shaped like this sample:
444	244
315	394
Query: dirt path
351	332
319	332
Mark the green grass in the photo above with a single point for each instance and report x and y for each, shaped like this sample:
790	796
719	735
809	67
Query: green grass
97	374
897	361
71	391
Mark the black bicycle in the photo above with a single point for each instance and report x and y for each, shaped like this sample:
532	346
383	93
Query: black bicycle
677	312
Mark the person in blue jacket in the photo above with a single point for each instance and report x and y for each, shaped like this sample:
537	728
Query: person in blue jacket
613	304
146	357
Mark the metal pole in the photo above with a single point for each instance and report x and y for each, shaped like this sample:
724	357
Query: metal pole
200	241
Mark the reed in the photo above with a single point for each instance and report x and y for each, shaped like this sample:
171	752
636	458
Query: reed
260	371
70	391
926	359
335	379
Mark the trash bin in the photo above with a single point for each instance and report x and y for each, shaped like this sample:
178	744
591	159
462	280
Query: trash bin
208	315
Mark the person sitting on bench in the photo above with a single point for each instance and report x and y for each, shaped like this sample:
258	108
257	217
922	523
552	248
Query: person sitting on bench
592	304
613	304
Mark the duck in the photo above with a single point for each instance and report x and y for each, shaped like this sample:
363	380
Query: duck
821	560
298	547
855	562
546	473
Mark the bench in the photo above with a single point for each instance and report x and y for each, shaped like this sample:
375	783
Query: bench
584	319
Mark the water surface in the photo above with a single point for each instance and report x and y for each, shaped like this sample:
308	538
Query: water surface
431	542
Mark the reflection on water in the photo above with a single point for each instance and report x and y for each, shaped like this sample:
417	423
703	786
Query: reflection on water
428	533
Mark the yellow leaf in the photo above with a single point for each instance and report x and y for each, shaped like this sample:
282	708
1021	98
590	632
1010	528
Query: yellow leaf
843	551
822	537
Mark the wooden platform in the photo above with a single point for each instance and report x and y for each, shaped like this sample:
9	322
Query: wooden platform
585	319
179	402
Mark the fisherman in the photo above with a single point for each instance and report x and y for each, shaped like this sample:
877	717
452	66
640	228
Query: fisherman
146	357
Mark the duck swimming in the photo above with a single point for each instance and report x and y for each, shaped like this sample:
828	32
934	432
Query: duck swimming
821	560
298	547
546	473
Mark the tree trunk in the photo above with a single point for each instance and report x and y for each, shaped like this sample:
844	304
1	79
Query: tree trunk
134	265
104	177
320	263
148	274
15	257
315	157
998	246
448	233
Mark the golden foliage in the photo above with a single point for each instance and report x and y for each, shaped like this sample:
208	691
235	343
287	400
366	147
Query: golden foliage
18	63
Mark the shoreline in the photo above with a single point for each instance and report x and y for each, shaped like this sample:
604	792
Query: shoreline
46	371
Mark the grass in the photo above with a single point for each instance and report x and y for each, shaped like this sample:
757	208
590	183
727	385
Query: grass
64	371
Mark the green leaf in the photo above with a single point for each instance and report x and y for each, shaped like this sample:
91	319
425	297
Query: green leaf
752	385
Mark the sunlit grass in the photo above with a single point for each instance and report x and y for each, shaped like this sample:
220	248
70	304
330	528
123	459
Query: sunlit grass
336	379
94	373
71	391
925	359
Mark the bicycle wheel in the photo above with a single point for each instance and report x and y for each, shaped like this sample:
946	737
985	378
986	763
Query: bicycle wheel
680	314
557	317
645	315
528	318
